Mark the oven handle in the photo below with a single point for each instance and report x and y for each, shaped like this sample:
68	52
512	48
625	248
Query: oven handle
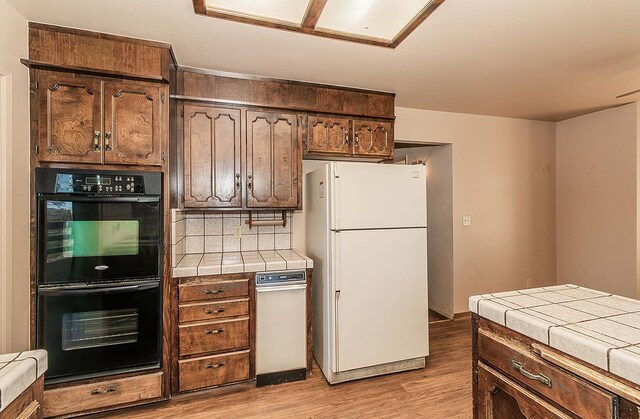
58	292
97	198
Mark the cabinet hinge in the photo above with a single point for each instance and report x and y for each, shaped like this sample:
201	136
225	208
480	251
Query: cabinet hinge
37	150
37	85
162	97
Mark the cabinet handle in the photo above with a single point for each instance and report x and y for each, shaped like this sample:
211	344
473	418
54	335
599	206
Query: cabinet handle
218	365
346	138
214	332
208	291
97	391
237	180
209	311
537	377
96	141
107	137
356	142
249	177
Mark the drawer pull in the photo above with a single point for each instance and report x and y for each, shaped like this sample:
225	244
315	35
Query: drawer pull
213	332
97	391
209	311
208	291
218	365
538	377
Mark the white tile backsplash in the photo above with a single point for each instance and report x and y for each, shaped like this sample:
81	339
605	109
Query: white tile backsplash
195	227
197	232
249	243
212	244
266	241
230	244
195	244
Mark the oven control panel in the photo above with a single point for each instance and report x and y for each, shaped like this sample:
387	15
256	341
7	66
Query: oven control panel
99	183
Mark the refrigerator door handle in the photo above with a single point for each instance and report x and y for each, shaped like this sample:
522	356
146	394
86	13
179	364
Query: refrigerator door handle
337	334
335	202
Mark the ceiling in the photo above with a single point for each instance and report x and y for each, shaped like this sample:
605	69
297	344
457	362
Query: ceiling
533	59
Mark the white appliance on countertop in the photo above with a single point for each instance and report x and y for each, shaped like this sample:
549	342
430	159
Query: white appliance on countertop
367	234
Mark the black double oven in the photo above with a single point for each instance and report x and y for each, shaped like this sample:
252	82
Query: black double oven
98	273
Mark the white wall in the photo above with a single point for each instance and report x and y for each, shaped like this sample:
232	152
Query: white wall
597	200
14	172
504	177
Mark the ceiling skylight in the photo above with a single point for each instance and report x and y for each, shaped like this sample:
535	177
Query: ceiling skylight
291	11
375	18
374	22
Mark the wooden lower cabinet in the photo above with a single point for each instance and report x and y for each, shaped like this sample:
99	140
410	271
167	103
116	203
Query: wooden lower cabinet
107	394
28	405
216	336
214	331
516	377
213	370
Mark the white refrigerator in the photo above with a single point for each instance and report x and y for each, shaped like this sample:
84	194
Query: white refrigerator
367	235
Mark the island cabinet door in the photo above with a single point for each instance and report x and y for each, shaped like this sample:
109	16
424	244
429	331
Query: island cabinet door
273	160
373	138
132	119
498	397
70	122
212	157
326	135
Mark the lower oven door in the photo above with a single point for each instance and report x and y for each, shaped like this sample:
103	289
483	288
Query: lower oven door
95	331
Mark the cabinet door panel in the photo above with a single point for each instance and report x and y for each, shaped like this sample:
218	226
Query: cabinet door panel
132	124
272	160
327	136
70	122
373	138
211	157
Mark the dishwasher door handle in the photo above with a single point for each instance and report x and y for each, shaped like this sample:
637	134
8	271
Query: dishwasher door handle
281	288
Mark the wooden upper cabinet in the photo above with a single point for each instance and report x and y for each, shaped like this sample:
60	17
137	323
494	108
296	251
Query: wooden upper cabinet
373	138
70	123
85	119
212	157
132	114
327	135
273	160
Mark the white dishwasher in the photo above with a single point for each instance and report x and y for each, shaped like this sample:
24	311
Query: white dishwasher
281	327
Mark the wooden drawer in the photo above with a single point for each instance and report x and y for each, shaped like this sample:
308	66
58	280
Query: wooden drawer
217	336
501	398
559	386
112	393
213	370
213	310
213	290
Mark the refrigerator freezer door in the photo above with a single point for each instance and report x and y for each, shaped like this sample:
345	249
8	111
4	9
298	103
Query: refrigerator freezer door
366	195
381	297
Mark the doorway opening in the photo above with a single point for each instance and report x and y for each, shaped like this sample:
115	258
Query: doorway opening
438	161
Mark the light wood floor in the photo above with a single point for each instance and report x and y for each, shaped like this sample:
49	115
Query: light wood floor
441	390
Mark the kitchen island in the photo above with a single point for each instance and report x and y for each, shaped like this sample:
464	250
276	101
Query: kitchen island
21	384
560	351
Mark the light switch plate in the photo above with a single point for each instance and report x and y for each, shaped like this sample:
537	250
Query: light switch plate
237	231
466	220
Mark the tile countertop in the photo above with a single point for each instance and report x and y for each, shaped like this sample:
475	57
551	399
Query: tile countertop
18	371
199	264
599	328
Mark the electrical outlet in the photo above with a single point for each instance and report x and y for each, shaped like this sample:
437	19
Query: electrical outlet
529	282
237	231
466	220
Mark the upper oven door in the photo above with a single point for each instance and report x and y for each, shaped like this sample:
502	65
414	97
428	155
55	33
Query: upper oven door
85	239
